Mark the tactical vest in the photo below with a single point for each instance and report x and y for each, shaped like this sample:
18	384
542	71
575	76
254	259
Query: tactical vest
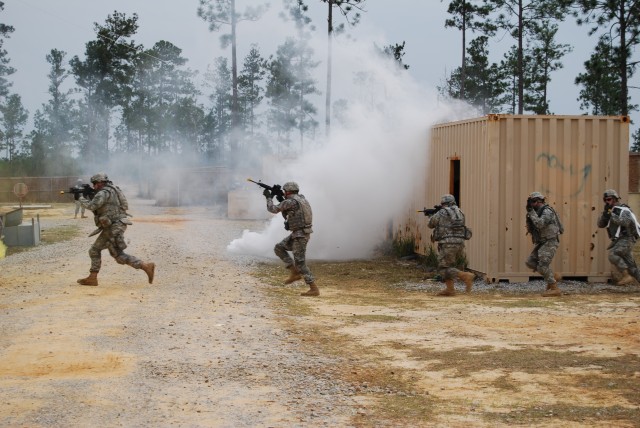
618	231
115	207
300	218
451	226
552	230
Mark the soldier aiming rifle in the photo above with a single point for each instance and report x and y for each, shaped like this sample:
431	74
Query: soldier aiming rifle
78	191
276	189
430	211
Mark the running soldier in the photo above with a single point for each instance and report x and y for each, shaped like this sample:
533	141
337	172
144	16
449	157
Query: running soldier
623	230
545	228
109	207
298	220
450	232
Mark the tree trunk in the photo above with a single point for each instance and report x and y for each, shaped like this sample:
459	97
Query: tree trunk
464	47
327	120
624	90
520	70
235	120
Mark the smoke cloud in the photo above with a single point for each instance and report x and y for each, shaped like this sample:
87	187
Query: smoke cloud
364	174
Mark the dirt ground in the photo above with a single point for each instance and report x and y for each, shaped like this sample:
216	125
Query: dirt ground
218	341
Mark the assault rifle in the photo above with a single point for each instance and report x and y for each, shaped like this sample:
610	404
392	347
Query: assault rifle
276	189
431	211
85	190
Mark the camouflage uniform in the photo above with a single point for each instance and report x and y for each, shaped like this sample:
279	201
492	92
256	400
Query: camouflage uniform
450	237
76	197
620	223
298	215
544	226
112	219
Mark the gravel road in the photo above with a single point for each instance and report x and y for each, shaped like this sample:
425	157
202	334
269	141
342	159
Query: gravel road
201	346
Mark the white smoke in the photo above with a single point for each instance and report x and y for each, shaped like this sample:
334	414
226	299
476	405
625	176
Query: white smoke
363	176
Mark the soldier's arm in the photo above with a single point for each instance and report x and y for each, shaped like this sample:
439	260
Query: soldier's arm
434	220
622	218
98	200
282	206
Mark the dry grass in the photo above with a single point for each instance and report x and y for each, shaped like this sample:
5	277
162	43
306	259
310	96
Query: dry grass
395	395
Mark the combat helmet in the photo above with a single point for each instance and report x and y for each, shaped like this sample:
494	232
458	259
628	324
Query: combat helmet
99	178
447	199
610	193
291	186
536	195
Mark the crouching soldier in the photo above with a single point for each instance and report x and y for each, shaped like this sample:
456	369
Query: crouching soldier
623	230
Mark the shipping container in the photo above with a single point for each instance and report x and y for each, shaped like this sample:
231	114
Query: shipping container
492	163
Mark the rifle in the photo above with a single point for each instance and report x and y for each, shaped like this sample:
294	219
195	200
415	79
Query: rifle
430	211
276	189
85	190
532	230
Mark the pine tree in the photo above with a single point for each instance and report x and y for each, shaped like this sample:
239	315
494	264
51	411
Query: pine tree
620	22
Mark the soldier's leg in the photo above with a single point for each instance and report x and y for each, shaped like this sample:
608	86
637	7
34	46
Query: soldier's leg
545	256
95	252
282	249
616	255
117	247
77	209
96	261
622	254
532	260
299	249
447	257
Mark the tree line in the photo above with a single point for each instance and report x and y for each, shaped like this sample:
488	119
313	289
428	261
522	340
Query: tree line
127	98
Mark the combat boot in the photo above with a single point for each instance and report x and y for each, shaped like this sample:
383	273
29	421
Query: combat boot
552	290
626	278
294	275
557	277
467	278
450	290
149	269
92	279
313	290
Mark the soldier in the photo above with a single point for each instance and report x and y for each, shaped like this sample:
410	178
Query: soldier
450	233
298	220
545	228
76	197
623	230
109	207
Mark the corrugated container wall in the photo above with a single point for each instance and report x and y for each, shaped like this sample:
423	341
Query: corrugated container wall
491	164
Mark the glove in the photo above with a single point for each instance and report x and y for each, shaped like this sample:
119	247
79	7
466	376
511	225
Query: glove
267	194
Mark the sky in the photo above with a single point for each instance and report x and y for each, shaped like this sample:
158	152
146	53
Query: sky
431	49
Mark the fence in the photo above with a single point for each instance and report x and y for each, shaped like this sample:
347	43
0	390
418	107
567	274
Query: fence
41	189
